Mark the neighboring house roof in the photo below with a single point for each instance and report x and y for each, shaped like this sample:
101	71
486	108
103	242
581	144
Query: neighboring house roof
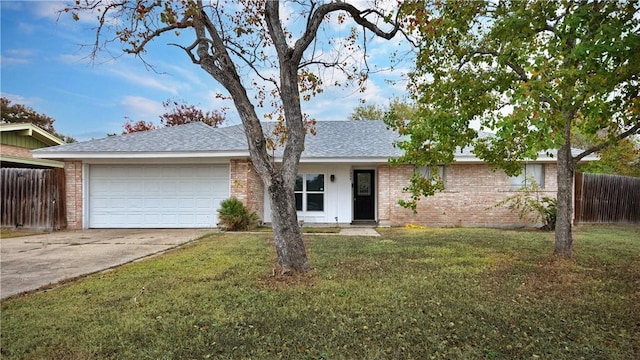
28	129
18	139
335	141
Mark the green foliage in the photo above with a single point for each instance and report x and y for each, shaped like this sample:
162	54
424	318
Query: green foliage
234	216
410	294
622	158
397	109
367	112
419	186
529	71
532	206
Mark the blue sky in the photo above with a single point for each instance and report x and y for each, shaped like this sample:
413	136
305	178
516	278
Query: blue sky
44	66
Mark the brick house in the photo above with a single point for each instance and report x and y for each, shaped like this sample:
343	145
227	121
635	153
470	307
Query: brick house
176	177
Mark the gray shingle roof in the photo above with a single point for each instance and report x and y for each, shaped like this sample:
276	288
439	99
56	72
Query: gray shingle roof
348	139
193	137
332	139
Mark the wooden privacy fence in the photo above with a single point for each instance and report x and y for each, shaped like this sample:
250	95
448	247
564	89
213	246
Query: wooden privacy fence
33	198
603	198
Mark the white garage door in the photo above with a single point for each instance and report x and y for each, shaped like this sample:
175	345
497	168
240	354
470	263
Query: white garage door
156	196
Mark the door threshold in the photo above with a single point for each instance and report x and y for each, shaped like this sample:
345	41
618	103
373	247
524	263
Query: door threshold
364	222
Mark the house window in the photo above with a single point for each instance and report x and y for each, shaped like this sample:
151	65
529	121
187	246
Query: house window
428	171
309	192
531	173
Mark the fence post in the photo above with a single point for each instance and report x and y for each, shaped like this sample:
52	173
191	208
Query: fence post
577	198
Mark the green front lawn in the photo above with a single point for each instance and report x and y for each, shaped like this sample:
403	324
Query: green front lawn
409	294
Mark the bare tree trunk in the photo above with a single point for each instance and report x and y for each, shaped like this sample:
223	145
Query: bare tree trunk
563	234
292	255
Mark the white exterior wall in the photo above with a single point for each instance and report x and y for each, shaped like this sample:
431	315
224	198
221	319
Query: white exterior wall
338	200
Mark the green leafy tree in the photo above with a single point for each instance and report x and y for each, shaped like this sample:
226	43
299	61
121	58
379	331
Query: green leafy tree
397	108
367	112
622	158
223	38
529	70
18	113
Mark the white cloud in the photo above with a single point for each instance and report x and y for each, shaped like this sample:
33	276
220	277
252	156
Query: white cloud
19	99
6	61
48	9
150	81
141	108
17	56
71	59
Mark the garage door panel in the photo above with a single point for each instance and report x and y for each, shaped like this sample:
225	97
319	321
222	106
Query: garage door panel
156	196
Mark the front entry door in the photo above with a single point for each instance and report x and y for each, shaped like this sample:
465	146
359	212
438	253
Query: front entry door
364	199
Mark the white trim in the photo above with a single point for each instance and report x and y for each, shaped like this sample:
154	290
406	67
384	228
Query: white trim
85	195
161	161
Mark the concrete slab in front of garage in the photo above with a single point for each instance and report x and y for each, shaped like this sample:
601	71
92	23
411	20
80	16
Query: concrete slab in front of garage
32	262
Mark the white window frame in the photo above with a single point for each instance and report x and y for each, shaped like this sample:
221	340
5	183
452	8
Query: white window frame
529	172
304	192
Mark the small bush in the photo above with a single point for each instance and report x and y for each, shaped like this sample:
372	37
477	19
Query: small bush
528	203
234	216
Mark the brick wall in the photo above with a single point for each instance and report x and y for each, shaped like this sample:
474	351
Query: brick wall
247	186
469	197
73	175
17	151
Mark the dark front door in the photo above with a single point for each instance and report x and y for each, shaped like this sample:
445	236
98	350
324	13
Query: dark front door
364	195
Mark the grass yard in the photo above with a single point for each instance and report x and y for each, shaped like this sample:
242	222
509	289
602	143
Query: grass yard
305	229
409	294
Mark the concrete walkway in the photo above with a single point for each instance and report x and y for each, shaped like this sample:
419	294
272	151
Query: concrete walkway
32	262
358	231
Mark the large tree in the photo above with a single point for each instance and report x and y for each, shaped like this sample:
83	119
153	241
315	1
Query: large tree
230	39
530	71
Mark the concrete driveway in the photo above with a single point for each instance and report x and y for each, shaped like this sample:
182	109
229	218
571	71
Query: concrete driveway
31	262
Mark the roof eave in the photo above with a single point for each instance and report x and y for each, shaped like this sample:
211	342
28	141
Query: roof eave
29	161
138	155
27	129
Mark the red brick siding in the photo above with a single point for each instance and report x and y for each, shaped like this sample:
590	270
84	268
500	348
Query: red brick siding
471	192
247	186
73	175
17	151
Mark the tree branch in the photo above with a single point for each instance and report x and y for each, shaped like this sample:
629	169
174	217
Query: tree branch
633	130
359	16
189	49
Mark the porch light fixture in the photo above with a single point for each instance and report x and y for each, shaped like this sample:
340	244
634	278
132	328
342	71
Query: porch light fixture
333	178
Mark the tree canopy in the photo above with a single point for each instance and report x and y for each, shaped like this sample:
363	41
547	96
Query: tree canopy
398	108
529	71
